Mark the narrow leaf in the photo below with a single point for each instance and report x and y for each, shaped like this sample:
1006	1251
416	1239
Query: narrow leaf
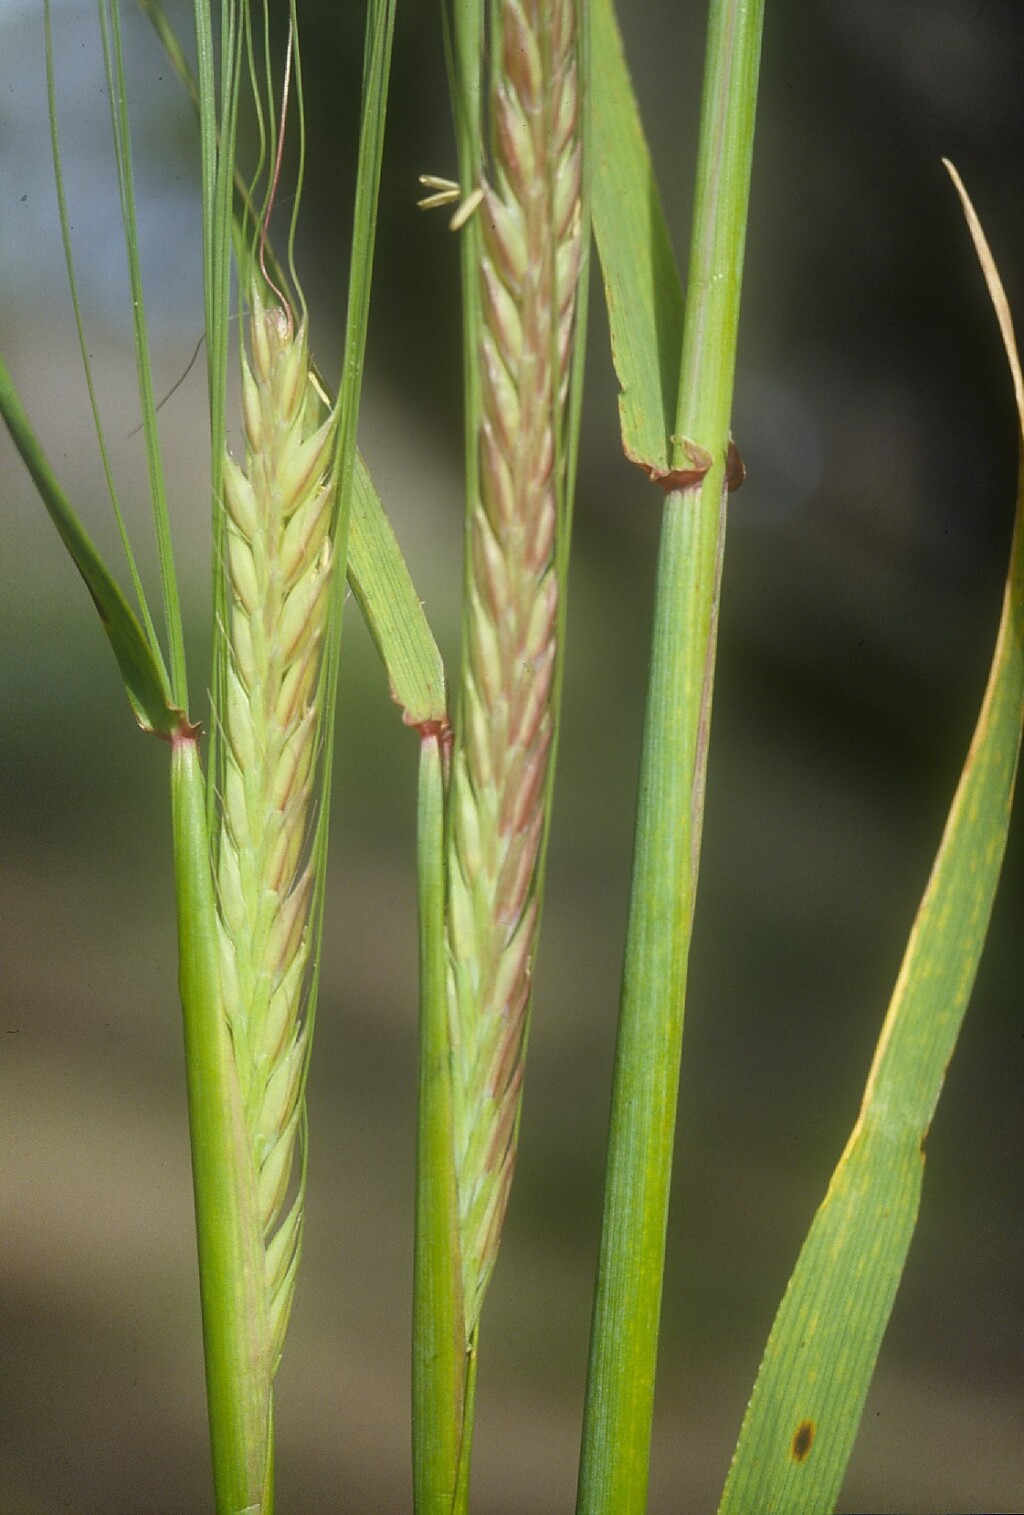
144	680
641	281
392	609
803	1417
117	89
83	345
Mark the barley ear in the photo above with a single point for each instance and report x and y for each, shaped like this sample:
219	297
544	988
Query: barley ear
528	274
278	553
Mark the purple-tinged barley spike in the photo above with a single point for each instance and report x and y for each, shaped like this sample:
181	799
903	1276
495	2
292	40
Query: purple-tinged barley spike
529	269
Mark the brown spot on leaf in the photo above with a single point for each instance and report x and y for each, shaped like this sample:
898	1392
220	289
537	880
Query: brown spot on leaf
803	1440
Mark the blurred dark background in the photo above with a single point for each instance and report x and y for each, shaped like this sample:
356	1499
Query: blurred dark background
862	583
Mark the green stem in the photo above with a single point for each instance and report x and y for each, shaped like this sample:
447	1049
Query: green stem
464	49
439	1357
227	1227
620	1389
461	1506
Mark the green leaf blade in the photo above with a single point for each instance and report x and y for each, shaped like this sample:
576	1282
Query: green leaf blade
141	670
117	90
802	1420
641	280
392	609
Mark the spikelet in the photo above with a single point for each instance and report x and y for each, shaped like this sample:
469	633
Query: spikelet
529	269
278	561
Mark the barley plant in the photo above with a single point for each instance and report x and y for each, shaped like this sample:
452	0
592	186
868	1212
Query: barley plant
550	148
250	845
279	553
529	251
524	252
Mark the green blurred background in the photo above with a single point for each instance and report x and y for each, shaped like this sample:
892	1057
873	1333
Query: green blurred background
862	582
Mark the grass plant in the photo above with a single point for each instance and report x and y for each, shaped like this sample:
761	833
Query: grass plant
620	1388
250	847
521	272
279	558
548	134
529	267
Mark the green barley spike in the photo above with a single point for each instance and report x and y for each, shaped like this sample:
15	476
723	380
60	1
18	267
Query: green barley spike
278	561
528	274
